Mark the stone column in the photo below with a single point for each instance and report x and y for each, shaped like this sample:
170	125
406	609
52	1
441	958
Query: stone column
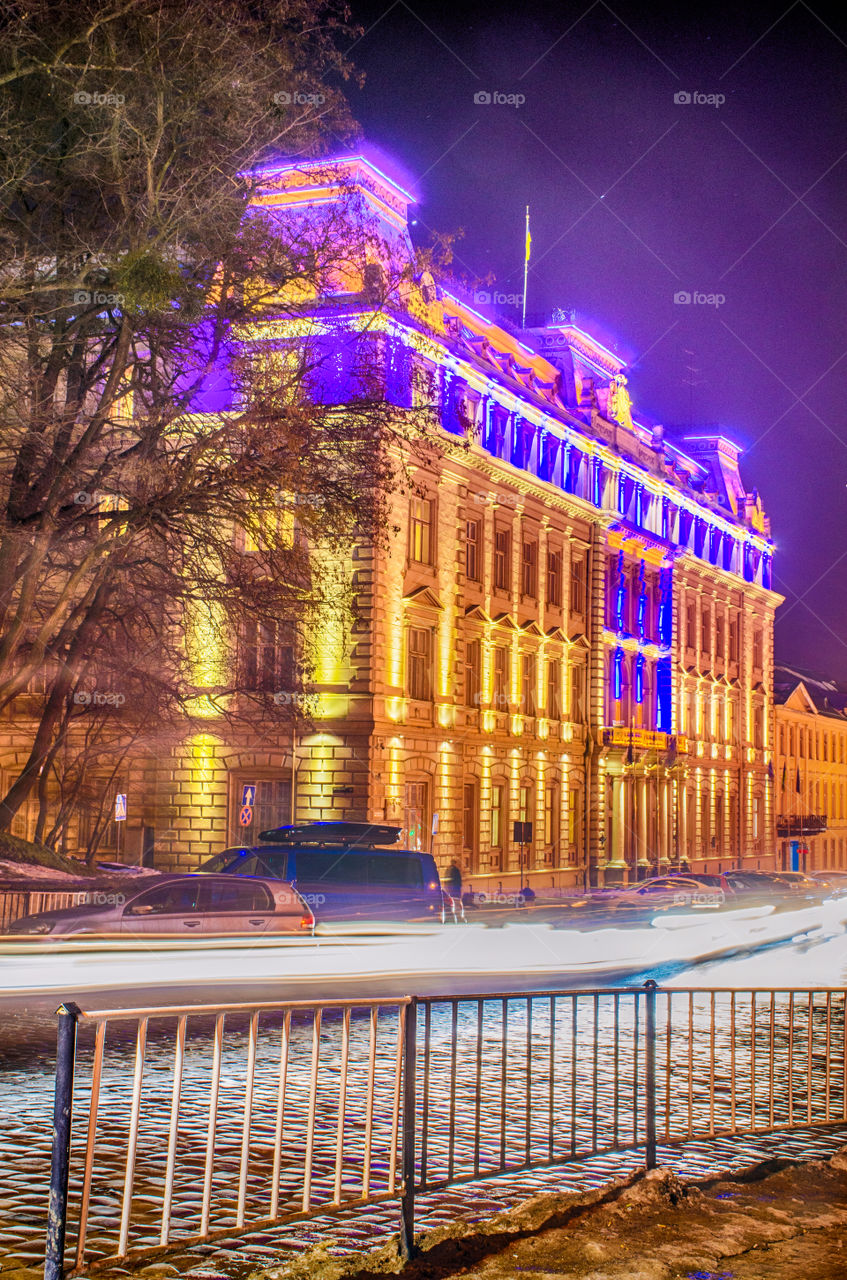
665	834
643	800
617	861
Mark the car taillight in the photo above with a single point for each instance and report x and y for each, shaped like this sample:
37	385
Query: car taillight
307	921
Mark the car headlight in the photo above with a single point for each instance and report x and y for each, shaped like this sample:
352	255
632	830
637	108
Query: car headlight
39	926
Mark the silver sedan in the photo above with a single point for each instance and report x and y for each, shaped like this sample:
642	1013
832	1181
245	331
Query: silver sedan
182	906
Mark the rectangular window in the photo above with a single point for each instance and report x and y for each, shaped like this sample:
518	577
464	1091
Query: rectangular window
524	811
267	657
692	713
469	817
720	628
690	633
502	559
419	663
654	612
757	649
551	816
554	579
529	675
705	632
577	694
497	816
554	685
423	386
501	692
420	530
473	551
577	602
615	596
529	568
472	673
733	639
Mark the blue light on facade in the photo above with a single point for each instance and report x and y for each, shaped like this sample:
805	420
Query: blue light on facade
664	696
620	594
666	610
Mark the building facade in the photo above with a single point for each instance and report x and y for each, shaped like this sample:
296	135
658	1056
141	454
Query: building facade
810	772
559	668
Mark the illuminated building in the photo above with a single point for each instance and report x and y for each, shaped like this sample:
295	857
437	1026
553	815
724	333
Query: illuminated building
570	627
810	772
573	623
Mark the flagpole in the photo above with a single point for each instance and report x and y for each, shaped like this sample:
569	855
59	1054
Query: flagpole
525	269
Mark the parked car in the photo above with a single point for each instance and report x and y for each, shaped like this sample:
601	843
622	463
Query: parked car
341	872
777	887
181	906
666	892
835	882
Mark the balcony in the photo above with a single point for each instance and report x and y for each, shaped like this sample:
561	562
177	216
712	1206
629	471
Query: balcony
800	824
642	739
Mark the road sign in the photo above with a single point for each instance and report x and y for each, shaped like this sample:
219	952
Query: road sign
523	833
245	817
120	808
248	797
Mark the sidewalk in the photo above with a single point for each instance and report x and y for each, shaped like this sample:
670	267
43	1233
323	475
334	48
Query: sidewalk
776	1220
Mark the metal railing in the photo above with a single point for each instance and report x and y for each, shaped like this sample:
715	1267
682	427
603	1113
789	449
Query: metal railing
800	824
217	1120
15	902
238	1116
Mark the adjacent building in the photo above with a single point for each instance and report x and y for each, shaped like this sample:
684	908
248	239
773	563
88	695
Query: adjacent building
810	792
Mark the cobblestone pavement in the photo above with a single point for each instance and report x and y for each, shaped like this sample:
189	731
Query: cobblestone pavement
477	1114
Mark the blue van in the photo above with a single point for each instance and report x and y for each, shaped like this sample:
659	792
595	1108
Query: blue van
341	871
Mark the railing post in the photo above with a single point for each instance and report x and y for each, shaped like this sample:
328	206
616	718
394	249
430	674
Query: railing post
54	1257
407	1202
650	1072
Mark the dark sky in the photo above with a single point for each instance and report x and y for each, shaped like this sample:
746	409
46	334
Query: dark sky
635	197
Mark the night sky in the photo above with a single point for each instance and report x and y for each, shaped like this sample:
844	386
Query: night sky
635	197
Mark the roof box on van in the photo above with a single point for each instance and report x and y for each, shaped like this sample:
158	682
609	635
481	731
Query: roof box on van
347	834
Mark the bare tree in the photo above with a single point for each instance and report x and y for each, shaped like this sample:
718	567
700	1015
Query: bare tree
166	471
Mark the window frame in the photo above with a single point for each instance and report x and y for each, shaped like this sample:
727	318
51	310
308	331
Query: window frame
421	530
529	568
502	564
473	550
419	662
473	672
